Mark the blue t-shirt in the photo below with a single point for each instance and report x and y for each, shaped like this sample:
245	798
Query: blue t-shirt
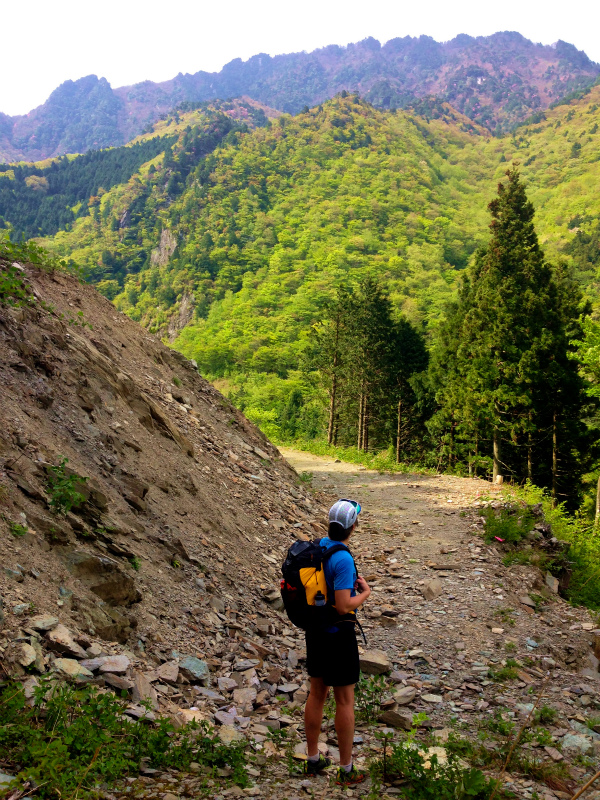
340	572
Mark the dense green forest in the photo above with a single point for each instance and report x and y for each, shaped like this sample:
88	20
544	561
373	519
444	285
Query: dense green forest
241	250
39	200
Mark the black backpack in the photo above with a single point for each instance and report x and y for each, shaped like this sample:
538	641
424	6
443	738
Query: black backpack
304	588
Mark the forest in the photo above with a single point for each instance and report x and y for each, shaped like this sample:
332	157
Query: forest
39	200
244	246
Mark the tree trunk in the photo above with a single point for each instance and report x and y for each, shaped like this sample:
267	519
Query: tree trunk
598	500
333	383
476	455
332	400
496	455
554	460
398	431
366	424
529	452
360	422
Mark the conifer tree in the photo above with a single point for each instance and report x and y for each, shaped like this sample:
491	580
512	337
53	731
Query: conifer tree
501	365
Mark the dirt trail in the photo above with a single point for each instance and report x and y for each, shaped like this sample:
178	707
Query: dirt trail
449	613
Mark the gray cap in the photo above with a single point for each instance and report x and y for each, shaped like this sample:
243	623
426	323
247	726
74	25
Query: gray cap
344	513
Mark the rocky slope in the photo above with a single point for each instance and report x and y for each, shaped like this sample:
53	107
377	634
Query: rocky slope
496	80
186	508
160	581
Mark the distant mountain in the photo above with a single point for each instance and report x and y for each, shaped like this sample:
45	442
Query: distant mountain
497	81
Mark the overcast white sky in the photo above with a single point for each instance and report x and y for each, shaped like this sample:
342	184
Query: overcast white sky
45	42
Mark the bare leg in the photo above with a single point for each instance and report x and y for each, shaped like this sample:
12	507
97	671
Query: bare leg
344	721
313	714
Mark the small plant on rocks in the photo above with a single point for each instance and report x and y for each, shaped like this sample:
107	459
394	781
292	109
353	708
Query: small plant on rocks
62	488
506	673
369	693
16	529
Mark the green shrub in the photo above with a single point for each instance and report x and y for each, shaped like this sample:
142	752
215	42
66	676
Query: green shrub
511	525
506	673
77	738
16	529
583	557
369	693
424	778
62	488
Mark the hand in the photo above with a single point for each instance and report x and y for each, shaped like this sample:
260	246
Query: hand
362	587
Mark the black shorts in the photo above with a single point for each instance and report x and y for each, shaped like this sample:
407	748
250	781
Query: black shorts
333	656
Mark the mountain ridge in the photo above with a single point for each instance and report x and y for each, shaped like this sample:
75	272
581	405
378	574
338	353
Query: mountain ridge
497	81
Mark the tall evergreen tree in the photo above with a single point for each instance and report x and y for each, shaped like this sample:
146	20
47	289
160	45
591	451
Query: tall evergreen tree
501	364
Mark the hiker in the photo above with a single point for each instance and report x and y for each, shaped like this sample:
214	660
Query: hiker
332	651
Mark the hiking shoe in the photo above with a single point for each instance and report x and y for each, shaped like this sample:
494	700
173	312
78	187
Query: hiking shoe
314	767
348	778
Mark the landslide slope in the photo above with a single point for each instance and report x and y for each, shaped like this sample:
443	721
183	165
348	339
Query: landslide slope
497	81
187	507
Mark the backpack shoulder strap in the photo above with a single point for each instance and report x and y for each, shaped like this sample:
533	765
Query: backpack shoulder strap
336	548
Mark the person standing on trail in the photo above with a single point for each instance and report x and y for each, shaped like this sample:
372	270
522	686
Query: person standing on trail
332	652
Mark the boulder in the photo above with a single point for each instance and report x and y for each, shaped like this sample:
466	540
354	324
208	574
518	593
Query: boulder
576	741
228	684
552	583
111	624
168	672
405	695
195	670
432	589
375	662
71	669
117	682
244	697
228	734
5	780
117	664
396	719
61	640
43	622
143	690
26	656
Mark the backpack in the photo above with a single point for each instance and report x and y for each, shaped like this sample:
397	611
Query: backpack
303	586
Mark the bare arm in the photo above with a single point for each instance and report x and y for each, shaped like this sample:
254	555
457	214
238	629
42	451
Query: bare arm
344	603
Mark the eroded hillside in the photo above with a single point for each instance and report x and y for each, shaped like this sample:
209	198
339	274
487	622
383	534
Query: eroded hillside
187	506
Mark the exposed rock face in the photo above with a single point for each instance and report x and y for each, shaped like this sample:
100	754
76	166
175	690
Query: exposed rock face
474	74
103	576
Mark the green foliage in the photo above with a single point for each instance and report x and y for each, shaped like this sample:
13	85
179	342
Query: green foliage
39	200
261	230
72	739
583	537
511	525
369	693
17	529
177	381
503	368
136	563
62	488
545	715
424	778
306	478
508	672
